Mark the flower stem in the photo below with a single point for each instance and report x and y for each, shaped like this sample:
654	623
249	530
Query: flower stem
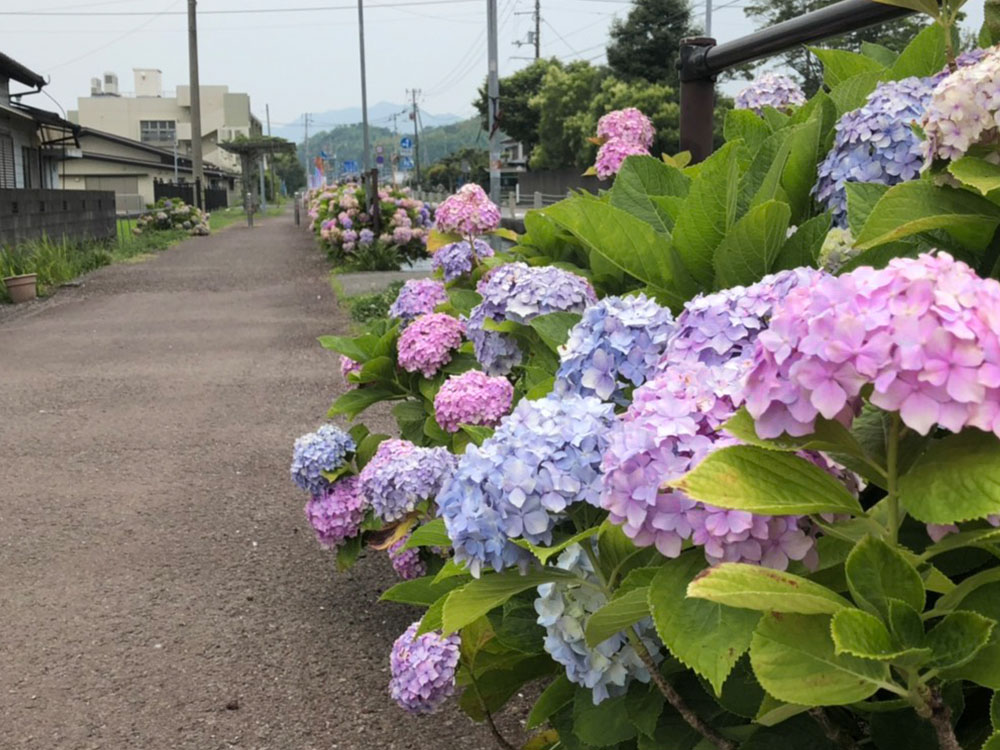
501	741
834	733
674	698
892	466
940	719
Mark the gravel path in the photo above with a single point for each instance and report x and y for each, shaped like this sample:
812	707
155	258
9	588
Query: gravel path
158	585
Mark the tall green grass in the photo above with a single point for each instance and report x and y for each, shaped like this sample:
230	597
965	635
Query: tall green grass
59	261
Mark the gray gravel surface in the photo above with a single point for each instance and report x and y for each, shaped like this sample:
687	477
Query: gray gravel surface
159	587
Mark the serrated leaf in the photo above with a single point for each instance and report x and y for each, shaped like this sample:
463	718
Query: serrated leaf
861	634
437	239
879	53
709	212
992	742
545	553
749	250
905	624
853	92
841	65
423	591
706	636
479	596
746	125
919	206
559	693
745	477
877	572
601	725
802	248
985	668
638	180
957	638
347	553
618	614
764	590
995	711
463	300
828	435
861	200
352	403
431	534
554	328
477	434
431	620
978	173
956	479
799	174
927	53
349	347
794	659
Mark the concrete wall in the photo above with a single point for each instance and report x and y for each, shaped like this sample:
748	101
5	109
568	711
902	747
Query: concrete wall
557	182
77	215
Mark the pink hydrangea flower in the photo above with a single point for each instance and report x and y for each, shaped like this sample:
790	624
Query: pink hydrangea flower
348	366
472	398
468	212
336	513
406	562
611	155
426	344
923	332
628	125
964	109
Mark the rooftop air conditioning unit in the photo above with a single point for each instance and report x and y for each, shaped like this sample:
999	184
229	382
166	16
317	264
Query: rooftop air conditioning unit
95	87
111	84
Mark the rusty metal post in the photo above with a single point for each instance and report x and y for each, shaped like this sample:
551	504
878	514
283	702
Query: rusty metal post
697	101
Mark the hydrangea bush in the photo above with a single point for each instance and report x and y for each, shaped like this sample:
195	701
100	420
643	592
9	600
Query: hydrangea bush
173	213
739	501
770	90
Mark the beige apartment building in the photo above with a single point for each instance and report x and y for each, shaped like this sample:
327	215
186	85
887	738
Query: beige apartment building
157	118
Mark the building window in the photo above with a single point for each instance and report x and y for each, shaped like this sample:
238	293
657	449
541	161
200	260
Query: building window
6	161
157	131
26	166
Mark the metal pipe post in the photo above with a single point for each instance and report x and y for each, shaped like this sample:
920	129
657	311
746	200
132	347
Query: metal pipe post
364	87
493	99
697	104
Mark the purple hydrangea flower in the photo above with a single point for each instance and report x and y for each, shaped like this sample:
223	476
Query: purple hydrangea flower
423	669
406	562
417	297
720	328
519	292
627	125
348	366
457	259
672	425
617	343
400	475
468	212
875	143
770	90
326	449
963	110
366	237
612	154
563	610
921	332
336	513
472	398
543	457
426	344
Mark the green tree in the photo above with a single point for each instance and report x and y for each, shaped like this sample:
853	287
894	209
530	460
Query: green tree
564	122
894	35
644	45
288	169
449	171
518	118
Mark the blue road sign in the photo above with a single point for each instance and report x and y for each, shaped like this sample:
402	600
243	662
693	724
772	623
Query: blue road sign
380	160
406	163
350	166
405	142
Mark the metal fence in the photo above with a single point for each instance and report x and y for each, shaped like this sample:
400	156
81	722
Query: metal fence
215	198
701	59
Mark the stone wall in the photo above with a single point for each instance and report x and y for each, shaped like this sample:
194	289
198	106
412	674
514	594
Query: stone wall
556	182
73	214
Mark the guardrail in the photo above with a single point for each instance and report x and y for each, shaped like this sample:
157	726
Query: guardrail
702	59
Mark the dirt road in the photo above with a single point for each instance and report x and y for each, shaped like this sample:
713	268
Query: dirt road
158	585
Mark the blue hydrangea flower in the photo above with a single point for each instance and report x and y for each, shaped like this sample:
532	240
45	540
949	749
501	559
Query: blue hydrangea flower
875	143
400	475
518	292
323	450
543	457
563	610
617	343
457	259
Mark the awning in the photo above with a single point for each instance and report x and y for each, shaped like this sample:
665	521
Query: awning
53	130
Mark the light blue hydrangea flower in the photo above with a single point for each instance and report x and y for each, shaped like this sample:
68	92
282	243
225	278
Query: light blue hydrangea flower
457	259
875	143
543	457
323	450
617	343
563	609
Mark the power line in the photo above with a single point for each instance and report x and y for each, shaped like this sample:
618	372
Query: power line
239	11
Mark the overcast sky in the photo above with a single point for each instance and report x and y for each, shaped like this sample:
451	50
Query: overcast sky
308	61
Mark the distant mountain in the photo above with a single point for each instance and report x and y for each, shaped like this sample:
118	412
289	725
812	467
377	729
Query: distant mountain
378	115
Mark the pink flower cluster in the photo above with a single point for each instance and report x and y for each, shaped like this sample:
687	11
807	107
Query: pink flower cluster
426	344
336	513
472	398
624	132
468	212
406	562
924	332
348	366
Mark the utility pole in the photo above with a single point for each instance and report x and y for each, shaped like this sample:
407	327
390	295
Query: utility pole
708	17
305	147
493	99
416	133
538	28
270	159
197	167
364	88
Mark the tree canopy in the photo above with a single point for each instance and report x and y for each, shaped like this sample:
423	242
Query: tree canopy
518	118
644	45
